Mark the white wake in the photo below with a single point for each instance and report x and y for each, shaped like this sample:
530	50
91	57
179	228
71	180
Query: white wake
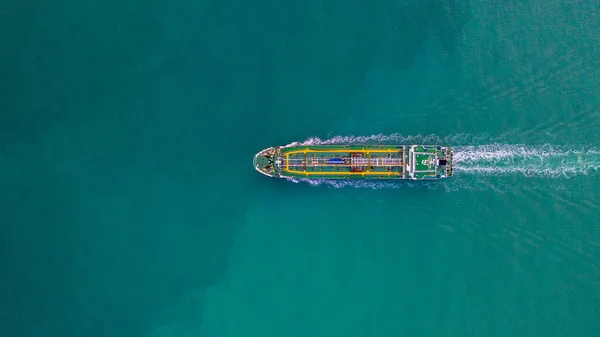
526	160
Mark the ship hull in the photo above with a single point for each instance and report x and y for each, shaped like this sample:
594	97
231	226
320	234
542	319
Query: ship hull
397	162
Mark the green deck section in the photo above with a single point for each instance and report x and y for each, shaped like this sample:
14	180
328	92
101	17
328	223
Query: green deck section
355	162
423	161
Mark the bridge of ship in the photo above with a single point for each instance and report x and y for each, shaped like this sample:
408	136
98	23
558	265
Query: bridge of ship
423	161
345	162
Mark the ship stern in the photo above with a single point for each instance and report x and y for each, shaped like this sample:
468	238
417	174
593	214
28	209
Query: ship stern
448	156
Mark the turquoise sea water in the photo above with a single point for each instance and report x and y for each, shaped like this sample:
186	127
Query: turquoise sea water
129	207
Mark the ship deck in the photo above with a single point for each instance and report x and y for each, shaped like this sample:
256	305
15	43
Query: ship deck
347	161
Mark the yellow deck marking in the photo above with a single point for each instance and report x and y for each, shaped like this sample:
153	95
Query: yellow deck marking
341	173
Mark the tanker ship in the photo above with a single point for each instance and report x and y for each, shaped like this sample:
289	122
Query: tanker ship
408	162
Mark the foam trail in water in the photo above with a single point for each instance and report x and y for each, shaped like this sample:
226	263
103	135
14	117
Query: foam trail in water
373	184
396	138
527	160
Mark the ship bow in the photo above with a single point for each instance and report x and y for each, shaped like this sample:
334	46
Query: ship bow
264	162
